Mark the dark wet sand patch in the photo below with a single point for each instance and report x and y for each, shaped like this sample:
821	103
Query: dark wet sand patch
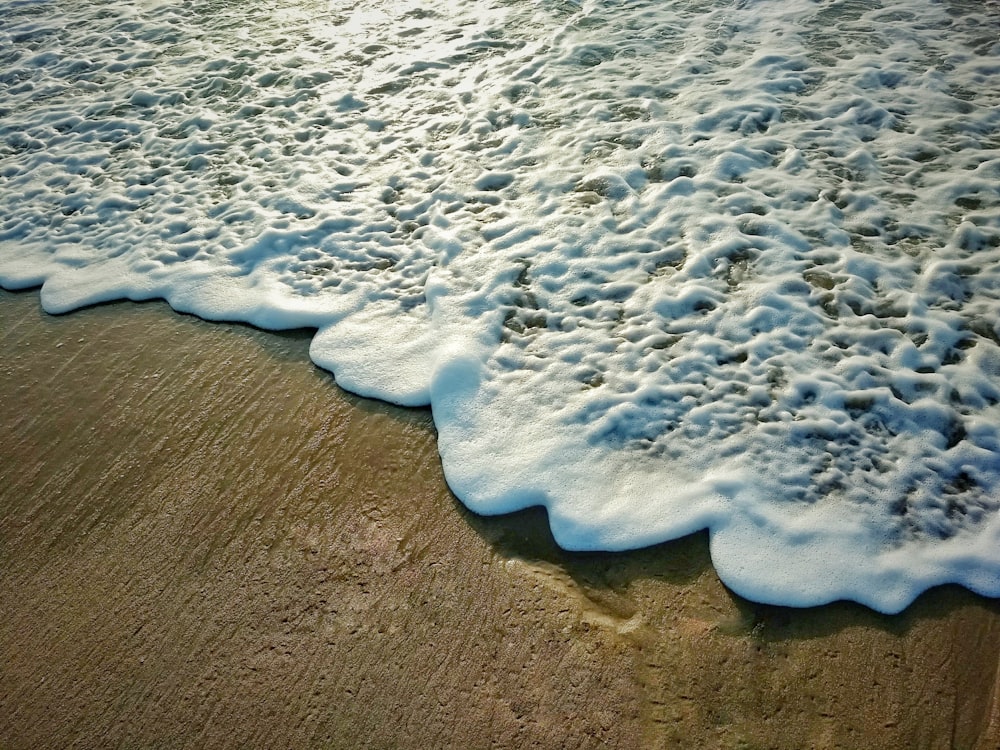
205	543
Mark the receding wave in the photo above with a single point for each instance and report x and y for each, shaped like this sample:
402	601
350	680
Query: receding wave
657	266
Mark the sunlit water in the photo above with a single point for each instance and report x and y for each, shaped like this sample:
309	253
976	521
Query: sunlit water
658	266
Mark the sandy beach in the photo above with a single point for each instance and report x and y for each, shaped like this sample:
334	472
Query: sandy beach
205	543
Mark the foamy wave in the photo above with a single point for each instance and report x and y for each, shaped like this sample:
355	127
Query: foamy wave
658	266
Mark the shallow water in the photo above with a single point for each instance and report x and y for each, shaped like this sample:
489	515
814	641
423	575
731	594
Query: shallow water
656	266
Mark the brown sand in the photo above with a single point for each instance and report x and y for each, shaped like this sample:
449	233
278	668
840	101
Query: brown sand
204	543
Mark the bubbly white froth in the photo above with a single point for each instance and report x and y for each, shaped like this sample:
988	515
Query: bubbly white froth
658	266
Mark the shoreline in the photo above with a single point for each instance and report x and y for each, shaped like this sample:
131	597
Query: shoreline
205	542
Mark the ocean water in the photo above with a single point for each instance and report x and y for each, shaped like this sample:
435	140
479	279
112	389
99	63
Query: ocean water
657	266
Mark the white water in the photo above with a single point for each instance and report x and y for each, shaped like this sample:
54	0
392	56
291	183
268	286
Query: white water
659	266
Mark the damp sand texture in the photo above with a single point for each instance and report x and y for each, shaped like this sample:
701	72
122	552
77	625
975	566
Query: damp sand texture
204	543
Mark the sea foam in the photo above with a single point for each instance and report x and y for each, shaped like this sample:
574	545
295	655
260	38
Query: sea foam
657	266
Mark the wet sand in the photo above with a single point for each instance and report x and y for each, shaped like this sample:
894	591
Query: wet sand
205	543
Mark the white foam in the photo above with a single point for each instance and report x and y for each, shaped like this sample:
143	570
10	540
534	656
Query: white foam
657	266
